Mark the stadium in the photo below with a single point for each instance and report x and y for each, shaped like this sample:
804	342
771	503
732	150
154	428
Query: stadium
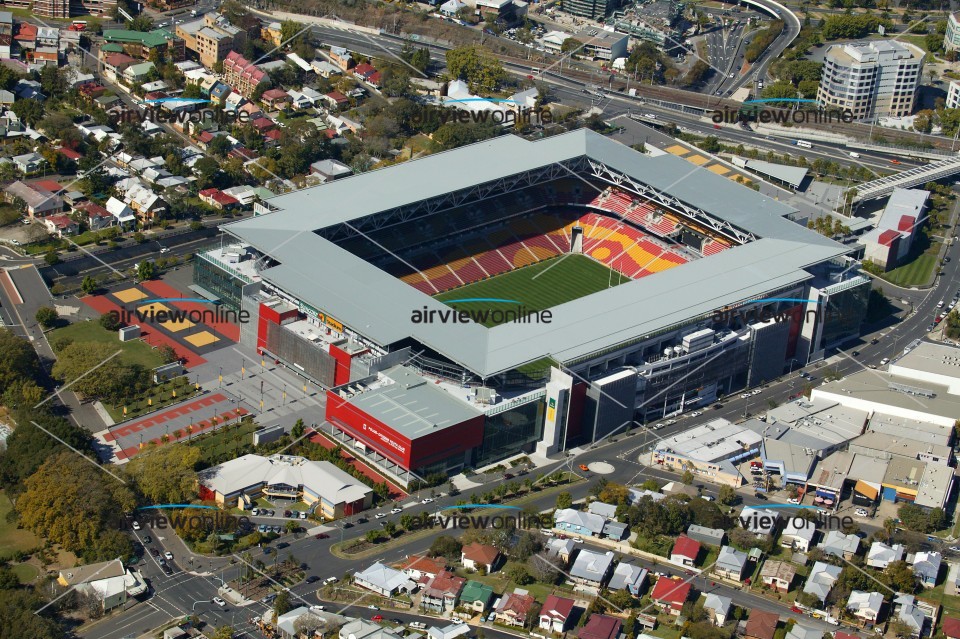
621	262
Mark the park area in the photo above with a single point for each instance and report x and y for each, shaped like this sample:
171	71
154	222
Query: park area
134	352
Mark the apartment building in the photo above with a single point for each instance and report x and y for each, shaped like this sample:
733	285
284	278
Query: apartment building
871	78
951	39
64	8
211	38
140	44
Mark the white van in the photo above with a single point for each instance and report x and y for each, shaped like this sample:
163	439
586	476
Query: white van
854	154
804	144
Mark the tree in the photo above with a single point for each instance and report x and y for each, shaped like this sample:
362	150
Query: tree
291	32
477	67
80	514
687	477
445	546
146	270
18	619
168	354
292	526
97	372
140	23
19	361
727	495
28	110
564	500
281	605
51	257
307	625
518	574
899	576
571	45
110	321
165	474
47	316
298	428
89	285
226	632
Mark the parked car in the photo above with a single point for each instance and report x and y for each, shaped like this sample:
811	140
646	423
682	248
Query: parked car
330	580
312	579
269	597
147	539
303	514
426	500
286	513
154	552
584	467
861	512
396	511
168	556
793	500
136	525
372	607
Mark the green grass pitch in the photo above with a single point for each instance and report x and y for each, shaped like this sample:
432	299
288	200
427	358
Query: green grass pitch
563	279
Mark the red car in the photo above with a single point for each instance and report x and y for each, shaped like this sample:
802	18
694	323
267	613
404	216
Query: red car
322	536
796	610
894	161
376	618
584	467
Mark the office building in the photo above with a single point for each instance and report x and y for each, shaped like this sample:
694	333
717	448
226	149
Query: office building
876	78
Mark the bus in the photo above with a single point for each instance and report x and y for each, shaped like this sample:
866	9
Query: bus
803	143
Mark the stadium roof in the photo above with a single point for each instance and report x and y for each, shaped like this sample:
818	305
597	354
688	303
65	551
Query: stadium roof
579	327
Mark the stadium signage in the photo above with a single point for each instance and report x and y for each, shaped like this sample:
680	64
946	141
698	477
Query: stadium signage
383	438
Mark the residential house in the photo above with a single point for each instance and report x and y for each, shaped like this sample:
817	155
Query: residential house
341	57
109	581
123	215
450	8
561	549
274	99
38	201
600	627
218	199
137	73
800	631
926	567
367	73
97	217
592	569
6	34
708	536
607	511
273	33
778	575
881	555
60	225
477	555
730	563
356	629
821	579
114	64
476	596
324	69
685	551
426	86
628	577
288	622
440	593
718	608
336	100
950	627
147	204
418	567
759	521
798	534
839	634
670	594
913	613
840	545
615	530
515	608
865	606
761	625
29	163
555	614
453	630
330	170
578	522
383	580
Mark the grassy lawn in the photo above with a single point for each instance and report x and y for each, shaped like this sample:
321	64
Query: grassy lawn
225	440
950	603
711	557
502	584
558	280
13	539
915	273
134	352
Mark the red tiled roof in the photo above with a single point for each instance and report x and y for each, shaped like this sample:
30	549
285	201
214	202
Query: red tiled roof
906	223
93	209
49	186
262	124
364	69
155	95
762	625
424	564
600	627
243	152
205	137
950	627
273	134
887	237
91	88
518	604
374	78
338	97
557	607
445	583
330	133
27	32
208	192
686	547
224	199
275	94
670	591
844	635
116	59
60	221
70	154
242	66
480	553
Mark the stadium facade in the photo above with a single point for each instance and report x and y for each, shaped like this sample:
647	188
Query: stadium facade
711	287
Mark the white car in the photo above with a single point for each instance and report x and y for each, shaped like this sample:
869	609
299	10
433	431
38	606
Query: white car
396	511
330	580
136	525
744	395
168	555
756	391
706	497
579	540
164	250
861	512
428	500
303	514
696	413
220	602
793	500
884	361
380	515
